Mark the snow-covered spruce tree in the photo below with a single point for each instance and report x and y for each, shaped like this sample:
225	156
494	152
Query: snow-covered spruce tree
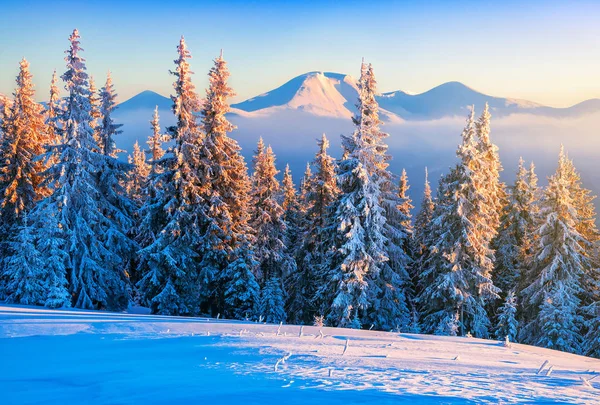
292	212
267	221
53	112
358	223
113	180
106	127
305	187
583	201
21	174
507	324
138	176
272	302
592	337
78	206
24	268
227	237
422	221
242	292
169	281
551	301
320	190
391	290
151	213
297	301
456	276
494	189
95	105
515	236
405	207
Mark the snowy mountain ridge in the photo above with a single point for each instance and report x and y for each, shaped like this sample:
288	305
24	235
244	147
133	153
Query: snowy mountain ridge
328	94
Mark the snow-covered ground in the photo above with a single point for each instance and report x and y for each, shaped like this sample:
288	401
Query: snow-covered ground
70	356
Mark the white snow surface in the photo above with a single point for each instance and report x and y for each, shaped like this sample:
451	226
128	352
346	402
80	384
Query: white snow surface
72	356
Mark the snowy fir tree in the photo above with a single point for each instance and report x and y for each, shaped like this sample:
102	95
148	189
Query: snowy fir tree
267	216
358	222
456	276
507	324
151	214
53	111
21	174
169	282
592	337
551	300
492	189
516	234
272	302
305	187
87	221
227	240
242	292
94	100
405	207
583	201
113	180
421	228
138	176
297	300
320	190
267	220
24	268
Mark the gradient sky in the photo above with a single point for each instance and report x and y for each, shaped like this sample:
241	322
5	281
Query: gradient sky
543	51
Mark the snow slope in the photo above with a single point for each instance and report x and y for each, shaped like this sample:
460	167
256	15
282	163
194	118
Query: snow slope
60	356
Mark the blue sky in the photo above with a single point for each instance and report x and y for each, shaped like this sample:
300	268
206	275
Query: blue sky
541	51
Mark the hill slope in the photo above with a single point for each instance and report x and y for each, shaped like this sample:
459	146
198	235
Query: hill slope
123	358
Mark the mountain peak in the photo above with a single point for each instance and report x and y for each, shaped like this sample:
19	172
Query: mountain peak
317	92
145	99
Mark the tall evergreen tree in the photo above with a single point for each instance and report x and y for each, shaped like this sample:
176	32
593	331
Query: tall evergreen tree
138	176
267	221
456	278
21	174
507	325
25	269
320	191
95	105
169	264
54	136
226	250
421	227
305	187
297	300
551	300
515	236
85	219
492	188
358	221
151	214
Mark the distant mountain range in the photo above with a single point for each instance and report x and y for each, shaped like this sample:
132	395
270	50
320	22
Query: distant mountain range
334	95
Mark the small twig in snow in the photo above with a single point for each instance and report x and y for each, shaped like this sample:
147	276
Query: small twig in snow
301	331
542	367
279	329
549	371
585	382
346	347
457	358
282	360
